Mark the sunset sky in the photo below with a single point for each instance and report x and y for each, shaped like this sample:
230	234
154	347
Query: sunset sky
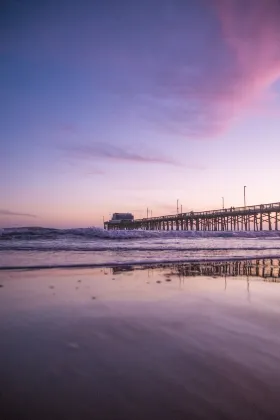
119	105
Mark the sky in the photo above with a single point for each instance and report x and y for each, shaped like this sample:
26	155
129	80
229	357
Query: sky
118	106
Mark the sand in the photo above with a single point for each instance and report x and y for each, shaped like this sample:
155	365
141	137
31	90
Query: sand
138	344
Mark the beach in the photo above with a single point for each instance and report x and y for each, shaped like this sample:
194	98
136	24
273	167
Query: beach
140	210
141	342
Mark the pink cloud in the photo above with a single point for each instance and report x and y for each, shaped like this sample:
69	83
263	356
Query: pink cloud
230	75
251	29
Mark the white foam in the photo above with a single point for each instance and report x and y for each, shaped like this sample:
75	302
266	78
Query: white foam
138	234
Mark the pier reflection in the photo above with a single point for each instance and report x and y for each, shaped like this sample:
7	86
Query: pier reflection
122	269
266	268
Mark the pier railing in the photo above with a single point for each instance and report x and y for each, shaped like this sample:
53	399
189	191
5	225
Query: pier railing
194	214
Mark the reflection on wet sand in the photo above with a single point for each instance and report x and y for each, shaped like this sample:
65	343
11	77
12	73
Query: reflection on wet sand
268	269
159	342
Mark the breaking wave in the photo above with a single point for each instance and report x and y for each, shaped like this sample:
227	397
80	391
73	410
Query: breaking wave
27	233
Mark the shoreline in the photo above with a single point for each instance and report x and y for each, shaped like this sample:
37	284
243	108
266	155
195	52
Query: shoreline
144	263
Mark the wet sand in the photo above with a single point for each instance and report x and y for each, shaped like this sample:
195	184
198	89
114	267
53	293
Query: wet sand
138	344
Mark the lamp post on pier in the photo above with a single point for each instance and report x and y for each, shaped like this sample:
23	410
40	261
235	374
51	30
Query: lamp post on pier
223	201
244	195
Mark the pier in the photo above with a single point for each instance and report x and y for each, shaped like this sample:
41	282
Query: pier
256	218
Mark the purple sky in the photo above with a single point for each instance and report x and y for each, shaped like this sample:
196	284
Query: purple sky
122	105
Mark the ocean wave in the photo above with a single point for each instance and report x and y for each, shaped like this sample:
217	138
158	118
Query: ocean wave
27	233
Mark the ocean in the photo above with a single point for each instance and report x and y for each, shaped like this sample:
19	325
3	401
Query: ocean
90	247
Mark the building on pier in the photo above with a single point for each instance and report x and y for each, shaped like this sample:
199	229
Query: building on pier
118	219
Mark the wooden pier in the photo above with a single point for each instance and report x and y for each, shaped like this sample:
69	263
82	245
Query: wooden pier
255	218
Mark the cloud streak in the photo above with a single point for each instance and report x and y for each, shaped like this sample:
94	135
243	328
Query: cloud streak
4	212
114	153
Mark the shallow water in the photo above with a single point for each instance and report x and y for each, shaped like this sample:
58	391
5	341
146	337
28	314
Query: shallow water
166	342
